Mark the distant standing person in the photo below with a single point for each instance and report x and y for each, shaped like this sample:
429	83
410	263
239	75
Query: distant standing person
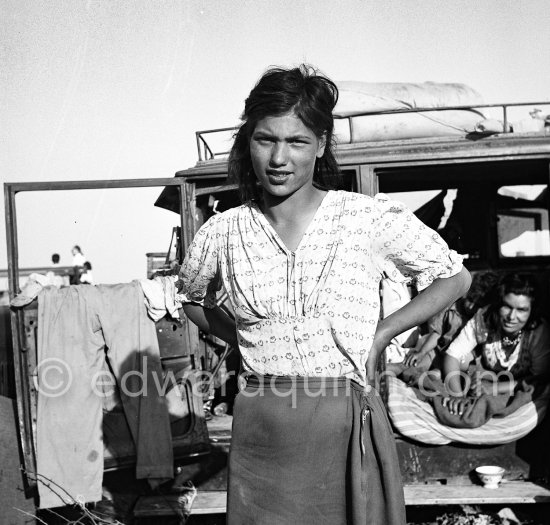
78	256
77	264
52	276
86	277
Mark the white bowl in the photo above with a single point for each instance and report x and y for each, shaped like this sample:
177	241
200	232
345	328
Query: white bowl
490	475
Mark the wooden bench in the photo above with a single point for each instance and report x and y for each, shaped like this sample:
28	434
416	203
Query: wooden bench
509	493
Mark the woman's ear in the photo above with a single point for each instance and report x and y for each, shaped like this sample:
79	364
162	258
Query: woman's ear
322	145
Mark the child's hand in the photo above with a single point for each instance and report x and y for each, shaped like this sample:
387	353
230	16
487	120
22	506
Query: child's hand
413	357
456	405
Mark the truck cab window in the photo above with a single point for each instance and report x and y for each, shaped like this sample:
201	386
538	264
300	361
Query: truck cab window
522	221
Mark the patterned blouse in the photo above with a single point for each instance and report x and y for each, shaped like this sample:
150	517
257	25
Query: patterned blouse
312	311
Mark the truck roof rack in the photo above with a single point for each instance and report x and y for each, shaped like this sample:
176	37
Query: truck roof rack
206	151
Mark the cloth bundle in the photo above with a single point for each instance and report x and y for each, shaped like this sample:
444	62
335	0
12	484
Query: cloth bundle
478	410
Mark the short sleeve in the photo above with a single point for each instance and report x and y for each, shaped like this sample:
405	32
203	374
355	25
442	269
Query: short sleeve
464	342
199	272
406	249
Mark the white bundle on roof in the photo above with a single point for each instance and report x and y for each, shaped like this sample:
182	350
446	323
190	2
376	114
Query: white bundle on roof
363	97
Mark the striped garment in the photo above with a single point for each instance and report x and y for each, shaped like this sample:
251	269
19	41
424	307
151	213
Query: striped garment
416	420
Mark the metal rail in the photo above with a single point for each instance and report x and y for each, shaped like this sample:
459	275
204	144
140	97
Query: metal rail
206	153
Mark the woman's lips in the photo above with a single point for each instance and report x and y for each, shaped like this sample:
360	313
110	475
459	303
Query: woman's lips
278	177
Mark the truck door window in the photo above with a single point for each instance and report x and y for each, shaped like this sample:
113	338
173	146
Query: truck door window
454	213
522	221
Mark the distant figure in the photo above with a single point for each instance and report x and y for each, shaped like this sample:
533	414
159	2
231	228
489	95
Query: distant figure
53	278
86	276
78	256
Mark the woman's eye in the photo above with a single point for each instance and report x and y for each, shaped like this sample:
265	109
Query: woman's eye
263	140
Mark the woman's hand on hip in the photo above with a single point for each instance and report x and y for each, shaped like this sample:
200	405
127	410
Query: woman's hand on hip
381	340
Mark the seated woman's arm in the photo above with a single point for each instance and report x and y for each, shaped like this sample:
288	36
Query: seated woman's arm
492	386
458	357
415	356
452	375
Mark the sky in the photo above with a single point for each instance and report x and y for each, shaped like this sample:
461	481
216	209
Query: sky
115	89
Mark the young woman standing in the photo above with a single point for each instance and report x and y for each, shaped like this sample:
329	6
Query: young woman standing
301	264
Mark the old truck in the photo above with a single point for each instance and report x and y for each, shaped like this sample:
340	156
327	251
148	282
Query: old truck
486	191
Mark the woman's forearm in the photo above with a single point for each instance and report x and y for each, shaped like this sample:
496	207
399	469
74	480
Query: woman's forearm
451	373
213	321
429	344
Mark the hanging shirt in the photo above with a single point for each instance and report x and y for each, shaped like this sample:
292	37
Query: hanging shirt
312	311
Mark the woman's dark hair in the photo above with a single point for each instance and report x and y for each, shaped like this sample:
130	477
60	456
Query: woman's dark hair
312	97
88	265
482	289
518	284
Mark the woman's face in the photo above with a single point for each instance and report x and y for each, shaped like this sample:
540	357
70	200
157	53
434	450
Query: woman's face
283	152
514	312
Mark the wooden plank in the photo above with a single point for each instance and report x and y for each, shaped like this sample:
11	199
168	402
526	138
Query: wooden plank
511	492
211	502
151	506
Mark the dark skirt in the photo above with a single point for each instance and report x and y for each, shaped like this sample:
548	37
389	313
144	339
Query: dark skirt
312	451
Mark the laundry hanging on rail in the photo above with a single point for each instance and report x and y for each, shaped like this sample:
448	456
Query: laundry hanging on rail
77	326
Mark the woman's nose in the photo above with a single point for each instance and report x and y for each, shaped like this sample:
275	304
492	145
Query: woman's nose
279	154
512	314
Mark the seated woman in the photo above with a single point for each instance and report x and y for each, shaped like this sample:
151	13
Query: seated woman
443	327
511	341
499	398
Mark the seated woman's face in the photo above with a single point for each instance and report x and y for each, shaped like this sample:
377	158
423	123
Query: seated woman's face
514	312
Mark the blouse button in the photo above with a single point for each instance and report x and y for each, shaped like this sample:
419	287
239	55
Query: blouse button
299	341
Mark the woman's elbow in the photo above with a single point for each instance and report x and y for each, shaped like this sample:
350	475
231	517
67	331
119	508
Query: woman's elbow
464	281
